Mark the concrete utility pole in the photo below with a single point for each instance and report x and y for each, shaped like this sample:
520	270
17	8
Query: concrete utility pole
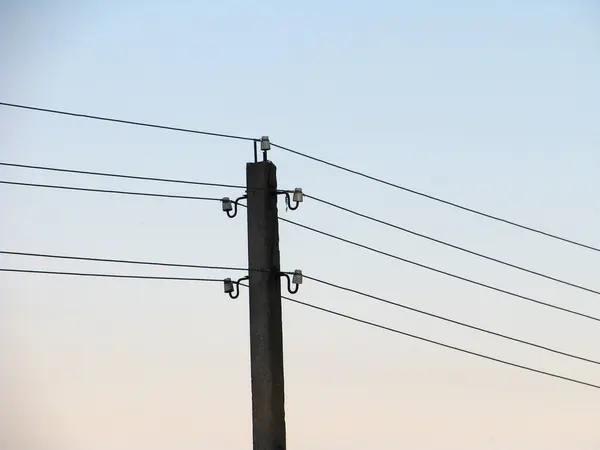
266	340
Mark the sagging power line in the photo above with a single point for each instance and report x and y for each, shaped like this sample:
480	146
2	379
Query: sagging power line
109	275
109	191
313	158
313	197
265	278
128	122
440	271
448	244
318	308
126	261
330	235
317	280
440	344
437	199
124	176
446	319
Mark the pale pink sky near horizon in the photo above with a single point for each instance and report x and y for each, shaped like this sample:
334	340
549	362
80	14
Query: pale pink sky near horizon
494	105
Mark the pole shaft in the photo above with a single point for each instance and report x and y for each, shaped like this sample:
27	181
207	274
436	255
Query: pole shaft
266	340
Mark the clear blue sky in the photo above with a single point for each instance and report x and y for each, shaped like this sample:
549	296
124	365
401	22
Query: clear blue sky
495	105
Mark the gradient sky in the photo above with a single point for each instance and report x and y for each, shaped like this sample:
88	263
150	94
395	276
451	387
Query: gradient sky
495	105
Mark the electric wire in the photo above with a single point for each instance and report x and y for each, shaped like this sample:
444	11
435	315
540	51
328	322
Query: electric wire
317	280
441	344
229	136
437	199
446	319
128	122
325	234
355	319
129	261
118	175
120	261
443	272
320	200
109	275
136	177
448	244
109	191
322	161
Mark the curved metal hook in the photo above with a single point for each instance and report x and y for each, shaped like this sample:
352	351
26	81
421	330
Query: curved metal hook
232	214
236	291
289	284
288	202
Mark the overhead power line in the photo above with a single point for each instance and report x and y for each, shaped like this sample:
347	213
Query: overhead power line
109	191
117	175
128	261
322	161
441	344
437	199
136	177
322	233
129	122
443	272
120	261
456	247
355	319
317	280
317	199
109	275
446	319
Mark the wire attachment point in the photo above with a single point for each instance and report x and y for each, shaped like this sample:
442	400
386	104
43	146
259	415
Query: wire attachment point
297	197
265	146
232	287
231	208
296	280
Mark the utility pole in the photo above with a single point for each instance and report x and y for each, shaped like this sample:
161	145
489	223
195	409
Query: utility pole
266	337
